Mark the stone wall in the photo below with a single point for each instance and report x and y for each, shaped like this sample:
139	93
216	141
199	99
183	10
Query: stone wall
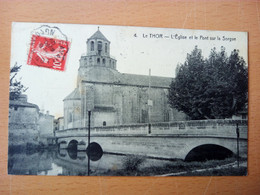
23	114
23	134
161	146
117	105
219	127
72	112
167	140
23	125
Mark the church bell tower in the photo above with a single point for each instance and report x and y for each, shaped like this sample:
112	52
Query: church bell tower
98	53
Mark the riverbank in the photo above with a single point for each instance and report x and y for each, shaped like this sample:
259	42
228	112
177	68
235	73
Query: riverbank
226	167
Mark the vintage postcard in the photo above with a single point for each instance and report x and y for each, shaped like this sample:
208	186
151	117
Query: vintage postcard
127	101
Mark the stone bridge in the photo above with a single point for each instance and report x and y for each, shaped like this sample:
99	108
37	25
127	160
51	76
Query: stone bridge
188	140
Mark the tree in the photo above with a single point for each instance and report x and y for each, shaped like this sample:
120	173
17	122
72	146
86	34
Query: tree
16	88
210	88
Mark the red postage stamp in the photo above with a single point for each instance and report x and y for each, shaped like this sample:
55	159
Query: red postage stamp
48	48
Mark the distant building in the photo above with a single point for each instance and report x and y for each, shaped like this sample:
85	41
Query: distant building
115	98
23	122
55	125
60	123
46	128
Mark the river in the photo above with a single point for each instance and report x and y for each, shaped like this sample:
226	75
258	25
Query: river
67	162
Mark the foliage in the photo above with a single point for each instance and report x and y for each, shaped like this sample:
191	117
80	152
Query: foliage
16	88
132	163
210	88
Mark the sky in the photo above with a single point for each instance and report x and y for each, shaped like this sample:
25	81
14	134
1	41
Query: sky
136	49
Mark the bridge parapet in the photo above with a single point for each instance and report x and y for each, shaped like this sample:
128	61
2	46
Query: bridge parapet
207	128
216	128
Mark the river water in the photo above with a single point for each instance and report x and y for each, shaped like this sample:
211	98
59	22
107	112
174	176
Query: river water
66	162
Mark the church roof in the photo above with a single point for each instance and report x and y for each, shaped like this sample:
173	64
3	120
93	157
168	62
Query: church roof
98	35
74	95
143	80
107	75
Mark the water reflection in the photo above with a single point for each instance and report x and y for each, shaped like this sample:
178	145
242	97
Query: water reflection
72	154
66	162
60	162
76	163
55	170
28	163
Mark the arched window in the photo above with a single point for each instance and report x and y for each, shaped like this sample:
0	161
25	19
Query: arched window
90	61
98	61
104	123
106	47
92	46
85	61
104	62
99	45
70	117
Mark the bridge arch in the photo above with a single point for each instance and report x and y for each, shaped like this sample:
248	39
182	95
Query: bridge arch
208	152
73	145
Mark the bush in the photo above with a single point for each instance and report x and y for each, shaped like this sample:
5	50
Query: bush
132	163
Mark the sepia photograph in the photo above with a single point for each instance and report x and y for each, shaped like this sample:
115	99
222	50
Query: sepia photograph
100	100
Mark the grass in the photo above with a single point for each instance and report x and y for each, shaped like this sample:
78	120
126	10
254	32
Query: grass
131	167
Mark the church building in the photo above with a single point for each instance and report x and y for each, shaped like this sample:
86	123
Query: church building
115	98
